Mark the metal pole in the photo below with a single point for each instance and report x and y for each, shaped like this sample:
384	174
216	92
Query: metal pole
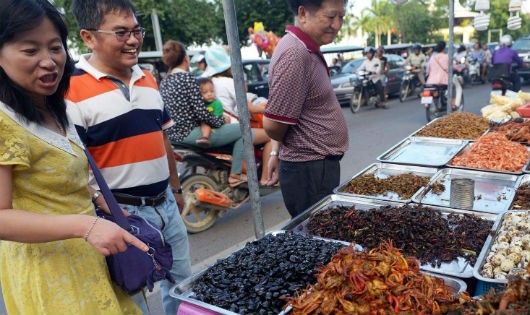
241	99
451	53
156	30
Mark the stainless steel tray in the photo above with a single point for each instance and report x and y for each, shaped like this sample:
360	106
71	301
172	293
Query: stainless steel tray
384	170
423	151
523	180
468	147
459	268
481	260
183	291
414	134
494	192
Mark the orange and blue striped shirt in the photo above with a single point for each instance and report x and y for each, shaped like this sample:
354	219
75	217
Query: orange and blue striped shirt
122	127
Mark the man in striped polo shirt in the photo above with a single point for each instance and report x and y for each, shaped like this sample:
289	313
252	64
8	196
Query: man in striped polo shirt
120	116
303	113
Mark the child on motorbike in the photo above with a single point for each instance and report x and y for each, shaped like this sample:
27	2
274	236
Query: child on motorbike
213	105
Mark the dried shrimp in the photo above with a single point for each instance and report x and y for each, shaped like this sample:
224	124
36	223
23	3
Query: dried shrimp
493	151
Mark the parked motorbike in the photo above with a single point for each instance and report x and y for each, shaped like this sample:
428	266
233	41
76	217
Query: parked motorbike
204	176
434	98
364	92
474	72
409	84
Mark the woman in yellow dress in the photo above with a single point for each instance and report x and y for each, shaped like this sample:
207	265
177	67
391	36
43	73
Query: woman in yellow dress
53	246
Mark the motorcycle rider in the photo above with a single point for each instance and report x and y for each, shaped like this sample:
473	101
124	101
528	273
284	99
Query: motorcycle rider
386	68
479	55
505	55
417	61
375	68
438	74
460	58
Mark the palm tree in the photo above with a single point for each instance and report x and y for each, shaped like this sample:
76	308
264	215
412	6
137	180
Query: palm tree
360	24
383	20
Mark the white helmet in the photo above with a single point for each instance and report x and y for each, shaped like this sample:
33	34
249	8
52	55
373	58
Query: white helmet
506	40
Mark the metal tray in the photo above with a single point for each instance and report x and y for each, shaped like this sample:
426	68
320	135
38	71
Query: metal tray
183	290
523	180
459	268
468	147
481	260
413	135
494	125
384	170
489	188
423	151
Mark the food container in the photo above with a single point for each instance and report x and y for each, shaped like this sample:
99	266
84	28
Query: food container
436	121
423	151
487	283
469	146
494	192
495	126
524	110
459	268
183	291
384	170
523	180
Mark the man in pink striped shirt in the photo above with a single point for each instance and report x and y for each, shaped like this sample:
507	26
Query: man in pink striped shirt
303	113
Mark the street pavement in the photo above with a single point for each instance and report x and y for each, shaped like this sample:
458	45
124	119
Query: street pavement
372	131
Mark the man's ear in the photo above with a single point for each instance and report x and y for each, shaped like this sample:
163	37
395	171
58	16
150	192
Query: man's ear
302	13
89	38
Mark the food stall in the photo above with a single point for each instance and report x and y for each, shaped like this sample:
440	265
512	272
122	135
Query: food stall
404	234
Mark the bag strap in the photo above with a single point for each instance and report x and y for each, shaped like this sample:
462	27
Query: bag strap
115	209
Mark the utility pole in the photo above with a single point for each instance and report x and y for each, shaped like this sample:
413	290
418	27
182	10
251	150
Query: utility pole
244	117
156	30
451	53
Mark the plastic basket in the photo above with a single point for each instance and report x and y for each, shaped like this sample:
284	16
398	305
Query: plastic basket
484	287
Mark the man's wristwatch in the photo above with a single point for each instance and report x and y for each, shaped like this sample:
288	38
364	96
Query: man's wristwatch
177	191
274	153
95	196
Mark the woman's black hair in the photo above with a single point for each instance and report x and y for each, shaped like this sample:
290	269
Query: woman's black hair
295	4
461	48
17	16
173	54
440	46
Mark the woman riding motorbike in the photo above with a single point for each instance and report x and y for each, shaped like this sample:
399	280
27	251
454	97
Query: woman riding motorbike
182	98
438	73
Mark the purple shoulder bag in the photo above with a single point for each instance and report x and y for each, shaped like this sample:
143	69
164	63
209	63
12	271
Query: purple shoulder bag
133	269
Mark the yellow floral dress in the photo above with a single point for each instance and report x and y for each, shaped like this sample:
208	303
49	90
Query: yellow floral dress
50	175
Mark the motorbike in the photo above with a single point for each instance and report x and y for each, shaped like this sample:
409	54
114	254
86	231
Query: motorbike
409	84
364	92
474	72
500	78
204	176
434	98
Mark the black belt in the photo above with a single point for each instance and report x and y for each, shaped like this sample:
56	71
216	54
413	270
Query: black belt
141	201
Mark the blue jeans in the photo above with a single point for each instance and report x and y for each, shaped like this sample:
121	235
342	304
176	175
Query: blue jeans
226	134
167	217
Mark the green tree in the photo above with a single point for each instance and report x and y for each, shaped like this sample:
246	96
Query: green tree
274	14
412	17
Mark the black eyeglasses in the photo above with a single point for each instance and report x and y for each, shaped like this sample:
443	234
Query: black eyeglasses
123	36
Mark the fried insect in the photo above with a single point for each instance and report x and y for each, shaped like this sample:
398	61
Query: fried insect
513	300
459	125
381	281
416	230
404	185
